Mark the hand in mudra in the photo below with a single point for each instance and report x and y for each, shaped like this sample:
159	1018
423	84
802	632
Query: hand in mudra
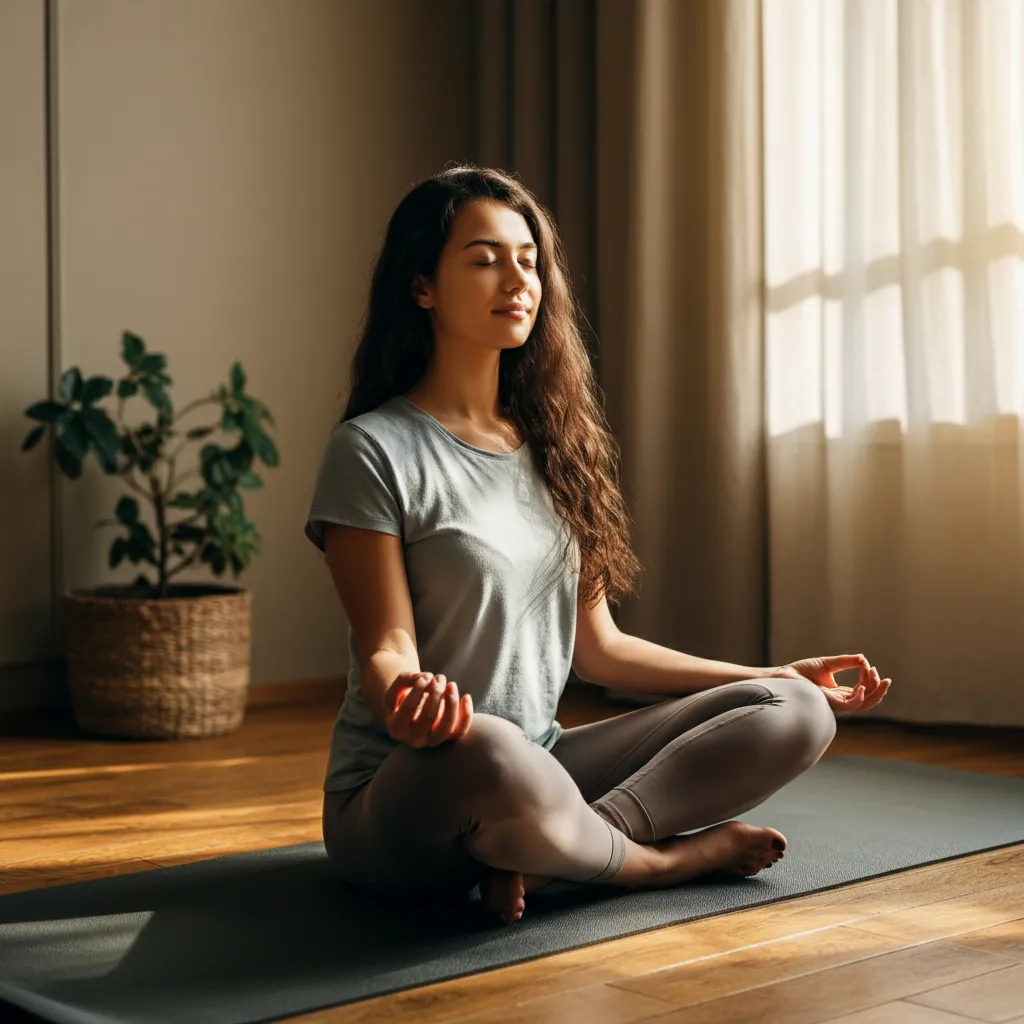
869	690
424	710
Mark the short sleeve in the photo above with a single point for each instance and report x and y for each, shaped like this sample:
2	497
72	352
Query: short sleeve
355	486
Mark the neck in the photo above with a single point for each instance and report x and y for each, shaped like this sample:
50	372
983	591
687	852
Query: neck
461	381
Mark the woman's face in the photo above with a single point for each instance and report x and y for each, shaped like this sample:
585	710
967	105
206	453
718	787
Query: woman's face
488	264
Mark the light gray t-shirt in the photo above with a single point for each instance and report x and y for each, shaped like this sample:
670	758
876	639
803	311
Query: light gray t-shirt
493	602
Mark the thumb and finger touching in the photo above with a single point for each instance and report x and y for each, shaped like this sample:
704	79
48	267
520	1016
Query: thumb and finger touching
423	713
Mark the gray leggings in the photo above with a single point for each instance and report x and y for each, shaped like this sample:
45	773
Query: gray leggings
432	822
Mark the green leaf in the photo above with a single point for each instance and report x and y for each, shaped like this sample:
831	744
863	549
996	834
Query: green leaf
157	397
142	580
152	363
239	458
183	500
69	463
96	388
237	378
140	545
261	443
45	411
139	533
233	419
127	510
33	438
126	388
117	552
71	385
74	436
197	433
132	349
102	430
188	532
250	481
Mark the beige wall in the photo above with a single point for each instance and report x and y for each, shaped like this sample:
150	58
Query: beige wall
226	168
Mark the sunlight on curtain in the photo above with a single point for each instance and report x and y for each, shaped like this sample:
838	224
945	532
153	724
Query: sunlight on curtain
894	188
894	344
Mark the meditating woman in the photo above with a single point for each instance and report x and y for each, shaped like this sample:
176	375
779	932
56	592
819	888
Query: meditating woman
469	511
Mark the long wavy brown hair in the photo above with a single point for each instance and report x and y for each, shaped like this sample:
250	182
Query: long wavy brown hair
546	387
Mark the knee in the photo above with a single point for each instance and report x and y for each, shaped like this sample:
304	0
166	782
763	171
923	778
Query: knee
492	759
812	722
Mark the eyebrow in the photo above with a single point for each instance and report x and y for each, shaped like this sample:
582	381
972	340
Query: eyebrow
494	244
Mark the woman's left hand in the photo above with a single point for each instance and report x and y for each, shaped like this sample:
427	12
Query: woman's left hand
843	699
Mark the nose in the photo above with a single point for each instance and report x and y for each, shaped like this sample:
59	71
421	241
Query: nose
518	280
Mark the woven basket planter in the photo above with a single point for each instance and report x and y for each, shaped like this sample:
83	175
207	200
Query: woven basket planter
173	668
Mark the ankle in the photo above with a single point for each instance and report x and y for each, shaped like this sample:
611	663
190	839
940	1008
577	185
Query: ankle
644	864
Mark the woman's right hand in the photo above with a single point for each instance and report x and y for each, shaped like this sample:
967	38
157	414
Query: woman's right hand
442	717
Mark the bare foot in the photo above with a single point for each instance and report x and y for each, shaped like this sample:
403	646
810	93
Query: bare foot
732	846
504	892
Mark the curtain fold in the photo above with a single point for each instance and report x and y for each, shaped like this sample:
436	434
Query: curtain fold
685	397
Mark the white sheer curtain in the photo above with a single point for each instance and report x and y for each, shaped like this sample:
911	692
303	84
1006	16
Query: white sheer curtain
894	334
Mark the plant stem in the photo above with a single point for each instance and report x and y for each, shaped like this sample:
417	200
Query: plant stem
161	526
126	476
184	476
159	496
211	400
185	563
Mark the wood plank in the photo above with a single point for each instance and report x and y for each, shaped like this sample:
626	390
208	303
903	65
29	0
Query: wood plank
901	1012
63	864
758	965
600	1004
1005	939
947	917
770	962
820	997
996	997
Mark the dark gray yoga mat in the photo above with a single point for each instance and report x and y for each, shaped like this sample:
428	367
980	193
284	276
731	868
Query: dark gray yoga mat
260	936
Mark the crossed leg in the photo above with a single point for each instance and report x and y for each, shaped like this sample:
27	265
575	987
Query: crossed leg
434	822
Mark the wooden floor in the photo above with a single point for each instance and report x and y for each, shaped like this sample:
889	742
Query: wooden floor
937	945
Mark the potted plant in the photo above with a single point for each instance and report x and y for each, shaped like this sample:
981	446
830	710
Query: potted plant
155	658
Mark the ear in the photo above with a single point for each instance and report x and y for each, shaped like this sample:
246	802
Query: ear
422	292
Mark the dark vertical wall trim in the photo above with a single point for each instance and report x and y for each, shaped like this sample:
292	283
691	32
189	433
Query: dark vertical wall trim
474	112
54	359
555	106
593	331
509	75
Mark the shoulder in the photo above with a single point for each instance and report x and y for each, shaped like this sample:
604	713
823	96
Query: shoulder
383	430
